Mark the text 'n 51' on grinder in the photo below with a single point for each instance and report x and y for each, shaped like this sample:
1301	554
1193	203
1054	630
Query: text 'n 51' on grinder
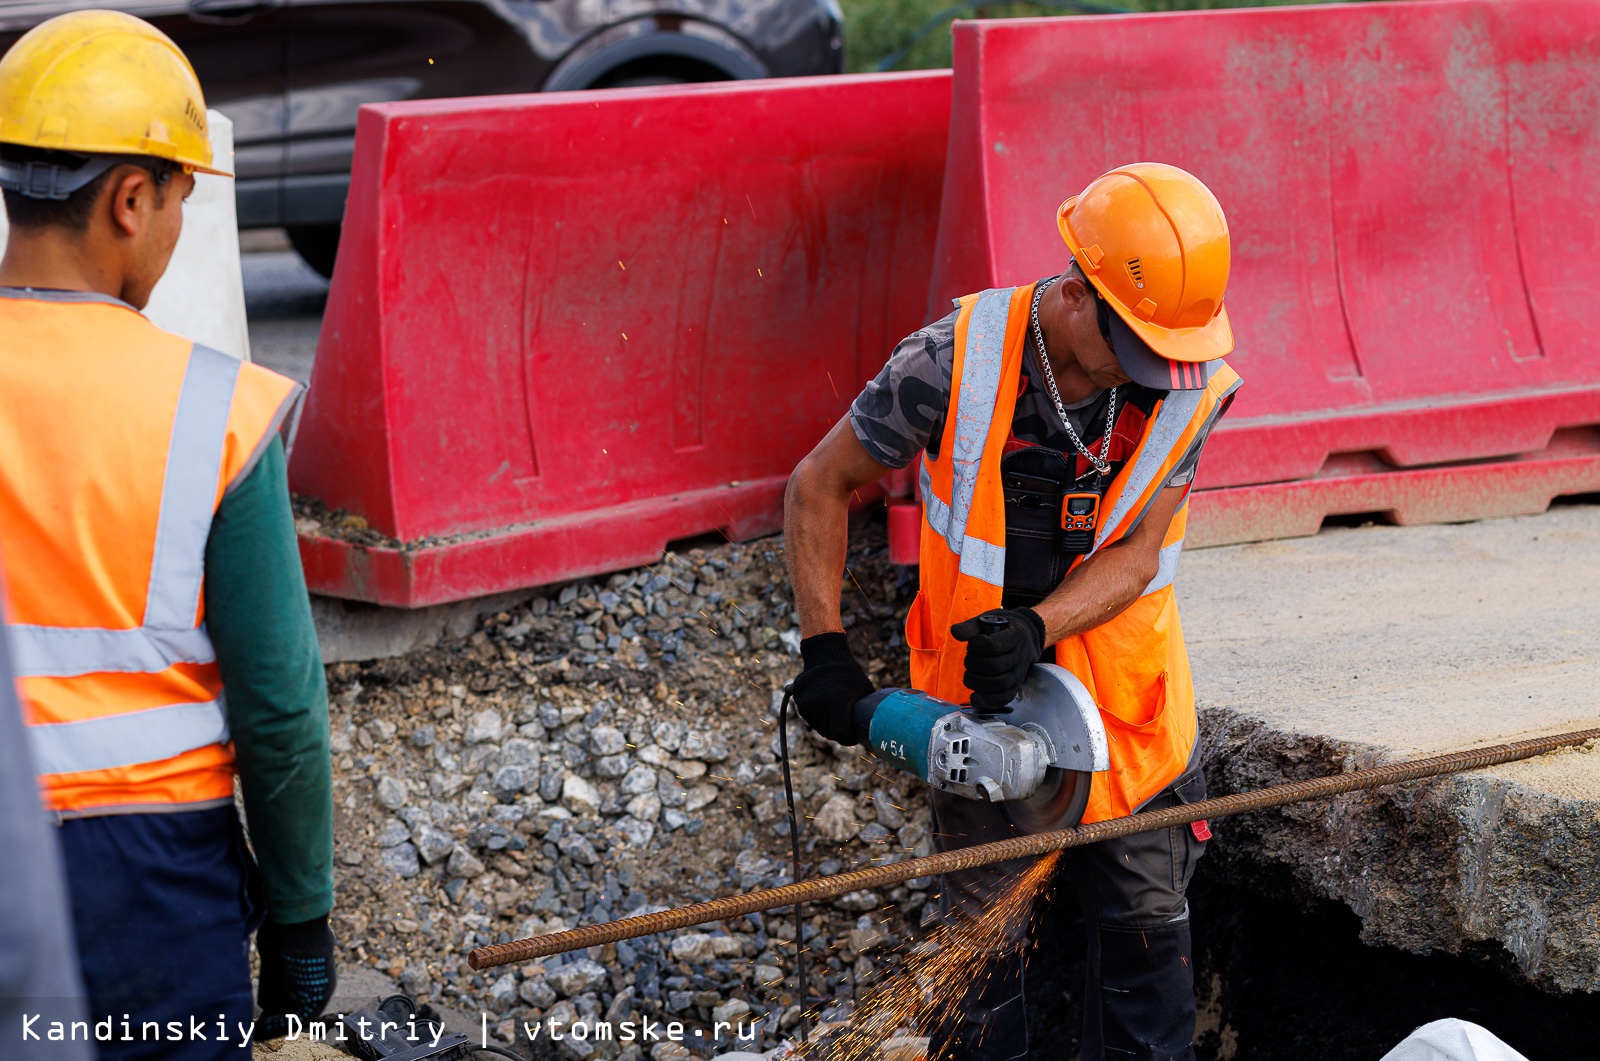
1036	760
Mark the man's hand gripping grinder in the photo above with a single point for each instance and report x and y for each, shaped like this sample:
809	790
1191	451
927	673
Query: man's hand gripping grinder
1035	759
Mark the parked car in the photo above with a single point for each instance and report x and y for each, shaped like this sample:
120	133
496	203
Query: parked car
292	73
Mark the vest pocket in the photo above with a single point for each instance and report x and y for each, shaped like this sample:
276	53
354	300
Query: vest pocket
1141	714
925	645
1143	752
920	635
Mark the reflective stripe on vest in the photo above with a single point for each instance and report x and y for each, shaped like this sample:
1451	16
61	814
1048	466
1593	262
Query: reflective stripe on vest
1177	411
974	412
1172	419
1167	572
128	738
168	634
980	559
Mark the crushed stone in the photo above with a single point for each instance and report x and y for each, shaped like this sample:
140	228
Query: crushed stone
608	747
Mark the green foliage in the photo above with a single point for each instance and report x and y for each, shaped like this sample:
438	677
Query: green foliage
874	29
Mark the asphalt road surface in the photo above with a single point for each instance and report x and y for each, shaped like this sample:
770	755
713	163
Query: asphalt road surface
283	300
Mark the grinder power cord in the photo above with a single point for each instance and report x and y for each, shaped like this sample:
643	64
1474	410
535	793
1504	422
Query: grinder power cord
1037	763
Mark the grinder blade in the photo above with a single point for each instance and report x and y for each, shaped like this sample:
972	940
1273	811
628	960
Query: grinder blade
1058	803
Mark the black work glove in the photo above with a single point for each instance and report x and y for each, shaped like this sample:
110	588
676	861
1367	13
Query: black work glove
827	690
297	974
998	661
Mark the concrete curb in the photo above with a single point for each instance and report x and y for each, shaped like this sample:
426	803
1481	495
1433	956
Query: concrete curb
352	631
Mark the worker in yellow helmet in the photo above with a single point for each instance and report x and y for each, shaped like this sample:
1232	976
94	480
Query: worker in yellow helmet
157	613
1059	425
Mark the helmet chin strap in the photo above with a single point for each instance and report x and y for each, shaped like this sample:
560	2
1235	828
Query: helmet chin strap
57	180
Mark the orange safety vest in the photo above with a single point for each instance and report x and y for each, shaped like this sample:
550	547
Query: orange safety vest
1134	665
117	443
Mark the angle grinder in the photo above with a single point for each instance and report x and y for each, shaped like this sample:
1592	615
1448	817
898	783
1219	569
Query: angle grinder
1035	758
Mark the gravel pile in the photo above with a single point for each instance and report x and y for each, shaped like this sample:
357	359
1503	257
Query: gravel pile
606	749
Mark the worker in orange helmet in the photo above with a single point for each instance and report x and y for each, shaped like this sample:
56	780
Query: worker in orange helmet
156	609
1059	425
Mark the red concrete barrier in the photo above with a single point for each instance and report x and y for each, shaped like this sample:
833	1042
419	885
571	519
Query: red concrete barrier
1410	188
567	329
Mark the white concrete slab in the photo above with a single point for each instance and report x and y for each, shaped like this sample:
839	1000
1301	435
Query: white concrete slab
1358	646
201	296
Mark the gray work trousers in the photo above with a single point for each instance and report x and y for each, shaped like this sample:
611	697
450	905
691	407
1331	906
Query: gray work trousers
1139	998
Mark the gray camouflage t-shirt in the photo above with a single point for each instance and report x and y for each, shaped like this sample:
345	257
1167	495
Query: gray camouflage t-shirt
902	411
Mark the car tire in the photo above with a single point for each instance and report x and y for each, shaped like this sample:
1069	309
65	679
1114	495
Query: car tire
659	70
642	80
317	245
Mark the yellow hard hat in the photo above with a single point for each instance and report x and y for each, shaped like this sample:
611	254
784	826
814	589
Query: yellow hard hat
103	83
1153	241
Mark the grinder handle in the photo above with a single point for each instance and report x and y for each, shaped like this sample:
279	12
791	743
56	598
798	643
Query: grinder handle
993	624
861	714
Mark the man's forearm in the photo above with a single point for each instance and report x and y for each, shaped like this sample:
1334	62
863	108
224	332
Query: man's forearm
816	524
1101	588
1095	592
816	533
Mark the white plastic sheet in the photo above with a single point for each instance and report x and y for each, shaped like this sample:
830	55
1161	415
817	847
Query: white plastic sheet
201	296
1452	1040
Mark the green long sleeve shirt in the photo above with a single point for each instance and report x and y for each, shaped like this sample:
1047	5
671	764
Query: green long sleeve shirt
259	618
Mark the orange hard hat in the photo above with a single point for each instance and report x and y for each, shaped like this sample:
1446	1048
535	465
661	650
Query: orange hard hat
1152	240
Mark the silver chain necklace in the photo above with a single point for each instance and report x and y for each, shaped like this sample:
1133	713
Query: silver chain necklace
1101	464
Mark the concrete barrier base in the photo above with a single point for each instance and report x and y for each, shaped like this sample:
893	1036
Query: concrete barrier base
352	631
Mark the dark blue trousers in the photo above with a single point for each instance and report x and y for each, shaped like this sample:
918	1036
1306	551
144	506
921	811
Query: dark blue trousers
161	905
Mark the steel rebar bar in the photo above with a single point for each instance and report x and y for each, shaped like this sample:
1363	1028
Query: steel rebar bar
1018	847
